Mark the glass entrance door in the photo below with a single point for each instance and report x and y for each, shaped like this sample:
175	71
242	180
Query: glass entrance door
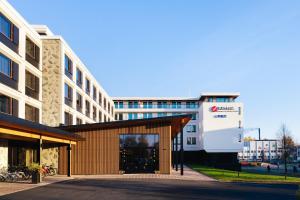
139	153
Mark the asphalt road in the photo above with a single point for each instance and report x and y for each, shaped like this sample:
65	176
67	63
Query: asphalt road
154	189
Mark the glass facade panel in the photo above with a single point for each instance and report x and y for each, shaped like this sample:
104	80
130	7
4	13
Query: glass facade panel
5	27
139	153
5	65
5	104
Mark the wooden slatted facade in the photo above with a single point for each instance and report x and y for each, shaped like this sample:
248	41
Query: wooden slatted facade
99	153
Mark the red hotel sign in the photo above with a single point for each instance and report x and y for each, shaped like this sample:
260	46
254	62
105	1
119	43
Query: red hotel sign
222	109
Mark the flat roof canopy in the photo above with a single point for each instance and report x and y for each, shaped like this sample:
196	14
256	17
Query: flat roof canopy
15	128
176	122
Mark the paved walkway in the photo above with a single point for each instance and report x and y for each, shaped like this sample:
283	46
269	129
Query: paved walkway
8	188
189	174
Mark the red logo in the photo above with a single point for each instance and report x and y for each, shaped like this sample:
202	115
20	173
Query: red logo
214	109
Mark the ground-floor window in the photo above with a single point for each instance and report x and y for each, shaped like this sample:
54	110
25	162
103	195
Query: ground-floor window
19	155
139	153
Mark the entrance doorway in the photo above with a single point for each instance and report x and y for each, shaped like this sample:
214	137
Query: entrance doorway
139	153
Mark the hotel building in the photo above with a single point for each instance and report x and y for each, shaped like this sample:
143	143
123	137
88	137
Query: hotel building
216	126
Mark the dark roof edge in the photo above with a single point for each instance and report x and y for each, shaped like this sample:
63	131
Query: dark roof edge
10	121
123	123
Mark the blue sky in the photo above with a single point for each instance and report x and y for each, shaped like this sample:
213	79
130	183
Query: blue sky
181	48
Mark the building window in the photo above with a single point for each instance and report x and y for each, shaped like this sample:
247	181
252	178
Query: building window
68	119
191	128
194	116
87	86
222	99
68	95
32	85
161	104
191	141
210	99
30	48
120	116
9	72
176	104
104	101
108	108
94	113
94	93
130	104
147	104
6	27
147	115
191	104
5	104
5	66
100	99
32	53
132	116
119	104
78	121
9	32
87	108
31	113
9	105
78	102
133	104
161	114
79	77
68	67
100	116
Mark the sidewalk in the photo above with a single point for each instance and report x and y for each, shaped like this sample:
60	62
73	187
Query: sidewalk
189	174
8	188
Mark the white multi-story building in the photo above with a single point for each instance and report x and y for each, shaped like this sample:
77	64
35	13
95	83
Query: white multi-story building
20	66
261	150
216	125
69	90
44	81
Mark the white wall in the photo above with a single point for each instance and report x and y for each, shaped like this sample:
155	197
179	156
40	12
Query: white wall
221	134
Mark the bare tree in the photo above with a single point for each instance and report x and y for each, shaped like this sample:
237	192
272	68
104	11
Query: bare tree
288	144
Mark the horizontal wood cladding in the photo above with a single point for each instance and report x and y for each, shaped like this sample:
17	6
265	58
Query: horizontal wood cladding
99	153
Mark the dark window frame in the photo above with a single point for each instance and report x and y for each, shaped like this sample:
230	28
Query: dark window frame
68	67
79	102
69	97
35	111
32	59
29	90
79	80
